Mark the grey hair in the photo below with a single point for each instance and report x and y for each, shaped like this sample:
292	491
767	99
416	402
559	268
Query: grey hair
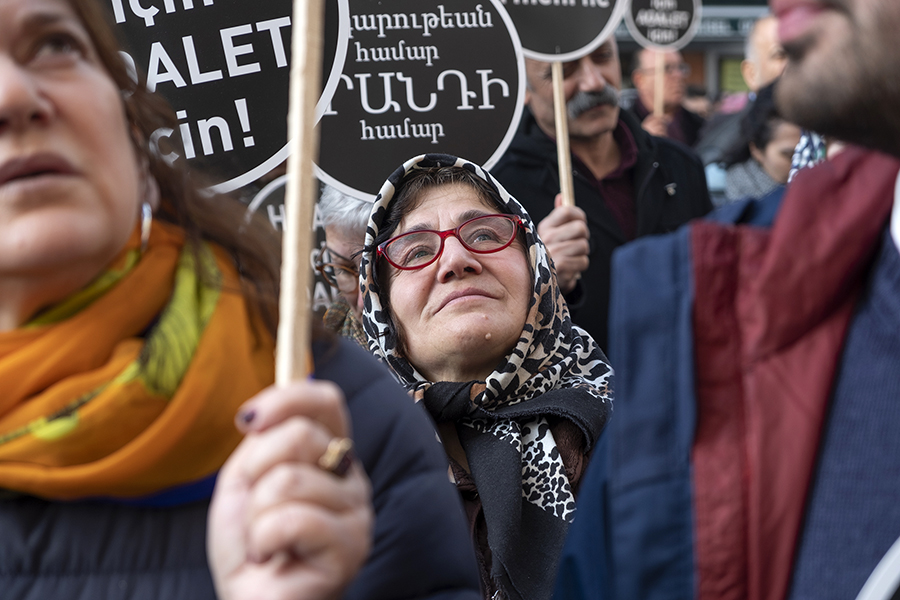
343	212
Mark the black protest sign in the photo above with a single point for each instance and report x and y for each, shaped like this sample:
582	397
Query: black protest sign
269	203
420	76
334	51
223	65
663	24
563	30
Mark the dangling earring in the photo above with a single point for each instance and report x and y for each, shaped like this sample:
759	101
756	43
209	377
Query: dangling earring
151	199
146	221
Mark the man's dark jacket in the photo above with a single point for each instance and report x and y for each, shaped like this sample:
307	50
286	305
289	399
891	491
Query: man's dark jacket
110	550
670	189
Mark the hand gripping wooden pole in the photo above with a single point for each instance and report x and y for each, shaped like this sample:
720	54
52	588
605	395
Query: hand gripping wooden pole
292	355
564	157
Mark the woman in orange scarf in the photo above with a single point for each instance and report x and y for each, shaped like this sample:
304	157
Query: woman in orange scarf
129	341
127	348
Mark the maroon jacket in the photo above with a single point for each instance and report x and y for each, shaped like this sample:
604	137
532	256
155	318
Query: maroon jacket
771	313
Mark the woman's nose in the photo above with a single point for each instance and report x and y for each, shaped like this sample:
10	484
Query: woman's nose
456	260
21	102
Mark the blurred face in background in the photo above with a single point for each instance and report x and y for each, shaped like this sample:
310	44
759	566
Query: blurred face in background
775	157
674	80
344	250
765	59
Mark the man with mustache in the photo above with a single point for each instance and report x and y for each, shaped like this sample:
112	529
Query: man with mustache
627	183
761	460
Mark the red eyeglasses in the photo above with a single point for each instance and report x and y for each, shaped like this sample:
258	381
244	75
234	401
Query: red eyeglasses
482	235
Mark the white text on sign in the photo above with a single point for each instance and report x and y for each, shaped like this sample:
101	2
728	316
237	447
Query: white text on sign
162	67
426	22
583	3
148	13
465	94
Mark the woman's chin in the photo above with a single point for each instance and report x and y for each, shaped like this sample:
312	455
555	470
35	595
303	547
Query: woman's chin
48	245
476	331
471	348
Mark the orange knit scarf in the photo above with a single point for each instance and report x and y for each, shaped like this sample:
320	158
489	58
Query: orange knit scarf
130	387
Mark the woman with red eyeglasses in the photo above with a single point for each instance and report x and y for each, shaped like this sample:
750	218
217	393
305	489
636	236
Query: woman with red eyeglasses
461	301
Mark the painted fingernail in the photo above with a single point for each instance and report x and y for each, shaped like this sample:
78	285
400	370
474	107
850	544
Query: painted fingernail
245	417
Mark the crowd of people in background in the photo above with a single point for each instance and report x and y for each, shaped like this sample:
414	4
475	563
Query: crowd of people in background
684	386
760	159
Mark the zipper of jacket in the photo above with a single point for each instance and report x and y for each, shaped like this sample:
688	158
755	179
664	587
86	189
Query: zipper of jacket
653	168
646	181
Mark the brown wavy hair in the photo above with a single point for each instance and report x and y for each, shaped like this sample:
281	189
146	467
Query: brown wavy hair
253	243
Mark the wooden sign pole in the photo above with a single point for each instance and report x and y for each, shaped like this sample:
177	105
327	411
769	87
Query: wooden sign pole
564	157
292	355
659	81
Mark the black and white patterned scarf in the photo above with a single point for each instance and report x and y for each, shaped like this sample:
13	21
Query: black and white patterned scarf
555	371
809	151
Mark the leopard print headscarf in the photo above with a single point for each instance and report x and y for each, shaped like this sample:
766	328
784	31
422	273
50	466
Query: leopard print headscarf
555	370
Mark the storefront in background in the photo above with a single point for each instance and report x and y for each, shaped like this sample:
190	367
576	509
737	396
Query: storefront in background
716	52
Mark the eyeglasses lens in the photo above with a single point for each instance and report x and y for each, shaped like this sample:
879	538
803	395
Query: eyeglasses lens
482	235
346	280
678	69
487	234
414	249
340	277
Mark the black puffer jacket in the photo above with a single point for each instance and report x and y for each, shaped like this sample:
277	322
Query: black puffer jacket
670	189
105	551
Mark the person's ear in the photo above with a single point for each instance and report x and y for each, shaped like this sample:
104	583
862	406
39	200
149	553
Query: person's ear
757	154
528	86
637	78
748	72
